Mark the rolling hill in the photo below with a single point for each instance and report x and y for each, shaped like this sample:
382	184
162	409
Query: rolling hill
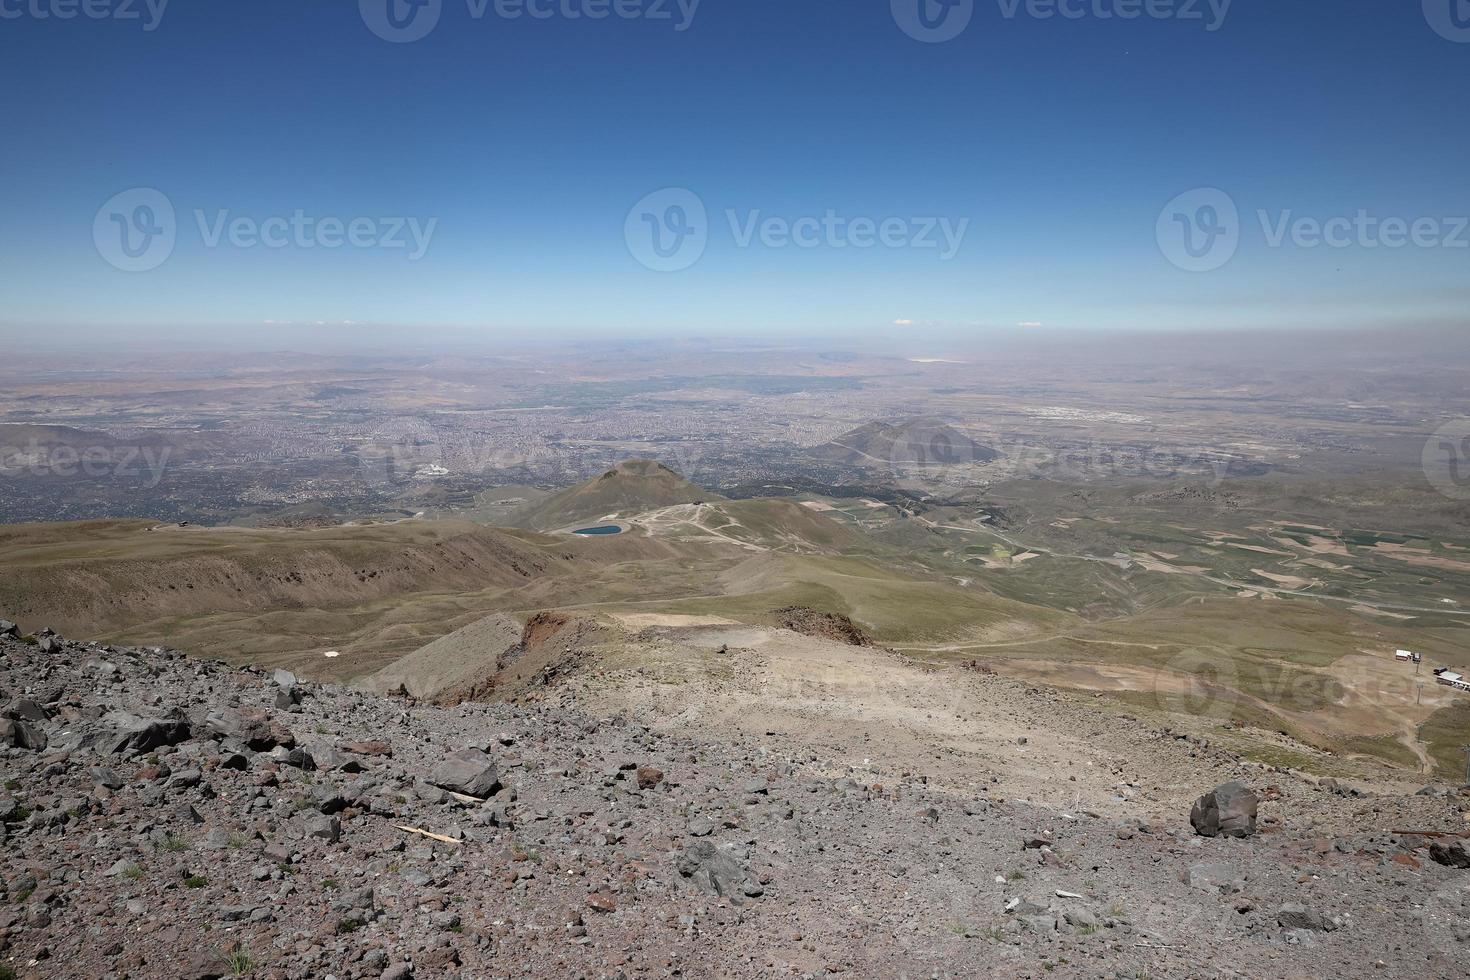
632	487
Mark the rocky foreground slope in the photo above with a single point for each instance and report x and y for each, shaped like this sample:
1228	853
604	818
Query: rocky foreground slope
169	817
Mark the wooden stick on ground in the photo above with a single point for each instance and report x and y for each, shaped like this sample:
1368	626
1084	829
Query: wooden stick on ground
429	834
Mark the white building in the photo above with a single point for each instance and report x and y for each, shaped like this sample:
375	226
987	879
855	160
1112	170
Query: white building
1447	677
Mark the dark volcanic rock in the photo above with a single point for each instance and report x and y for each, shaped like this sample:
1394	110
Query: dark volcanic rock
26	709
1455	854
1294	915
21	735
1228	810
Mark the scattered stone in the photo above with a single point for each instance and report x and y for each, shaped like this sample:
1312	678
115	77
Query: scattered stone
371	748
1298	917
602	902
324	828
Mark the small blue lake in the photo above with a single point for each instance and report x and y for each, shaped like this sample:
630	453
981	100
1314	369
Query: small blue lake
604	529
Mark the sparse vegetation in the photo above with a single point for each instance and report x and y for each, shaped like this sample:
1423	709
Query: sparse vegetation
239	961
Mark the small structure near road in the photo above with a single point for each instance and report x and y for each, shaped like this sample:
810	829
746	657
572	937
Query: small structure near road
1449	678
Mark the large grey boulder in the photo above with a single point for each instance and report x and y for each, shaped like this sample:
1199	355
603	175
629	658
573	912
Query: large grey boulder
468	771
252	727
21	735
1228	810
715	869
124	733
26	709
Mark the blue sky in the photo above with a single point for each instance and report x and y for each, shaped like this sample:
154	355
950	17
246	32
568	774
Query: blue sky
521	145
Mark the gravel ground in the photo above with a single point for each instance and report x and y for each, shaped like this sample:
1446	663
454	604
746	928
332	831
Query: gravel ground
170	817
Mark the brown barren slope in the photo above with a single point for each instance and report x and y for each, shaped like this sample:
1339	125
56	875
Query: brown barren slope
94	577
